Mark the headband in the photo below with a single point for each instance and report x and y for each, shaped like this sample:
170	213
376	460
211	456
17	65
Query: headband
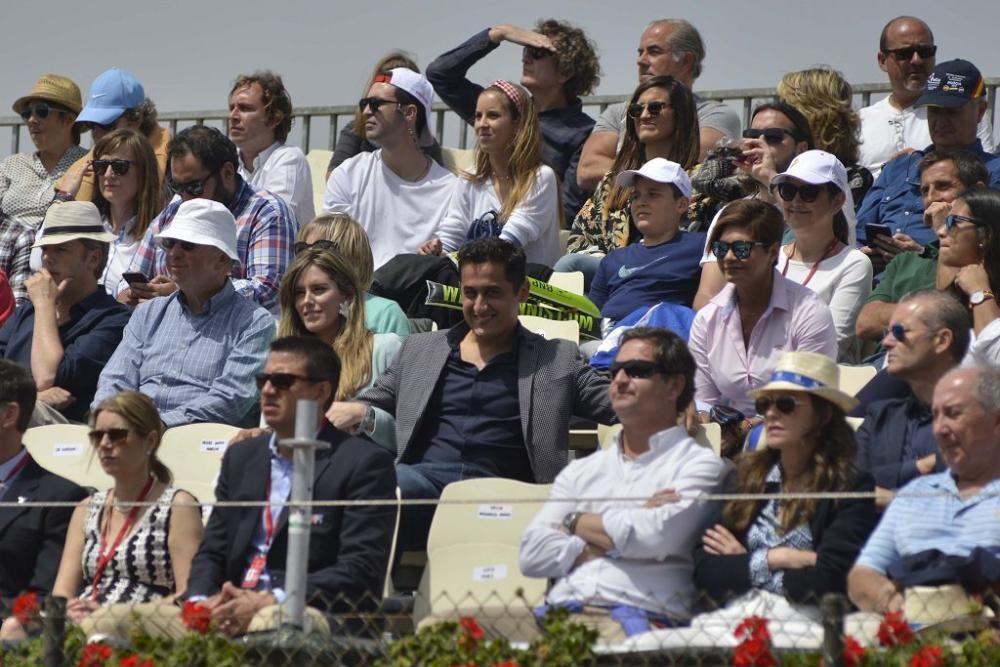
511	91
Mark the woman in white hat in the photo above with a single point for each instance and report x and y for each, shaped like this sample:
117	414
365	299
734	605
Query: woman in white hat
798	549
821	256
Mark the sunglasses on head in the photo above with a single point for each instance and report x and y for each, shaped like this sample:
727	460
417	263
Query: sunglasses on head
322	244
168	244
40	110
374	103
905	53
951	222
119	167
807	192
537	52
636	368
280	381
193	188
654	108
741	249
772	135
785	404
115	435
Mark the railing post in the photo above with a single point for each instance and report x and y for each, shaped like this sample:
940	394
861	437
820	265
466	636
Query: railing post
439	125
833	608
54	631
334	130
15	139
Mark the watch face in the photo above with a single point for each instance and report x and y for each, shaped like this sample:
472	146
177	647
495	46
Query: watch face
977	298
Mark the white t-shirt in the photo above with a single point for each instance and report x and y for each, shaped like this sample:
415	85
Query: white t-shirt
121	257
885	130
397	215
284	172
843	281
533	224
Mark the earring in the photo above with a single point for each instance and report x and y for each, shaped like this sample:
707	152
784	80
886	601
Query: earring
345	309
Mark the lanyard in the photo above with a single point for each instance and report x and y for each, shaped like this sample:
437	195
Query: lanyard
16	469
268	519
812	271
105	554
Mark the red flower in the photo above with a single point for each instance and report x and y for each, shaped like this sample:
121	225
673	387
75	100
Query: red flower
95	655
752	626
470	626
26	607
853	652
894	630
135	661
755	648
928	656
196	616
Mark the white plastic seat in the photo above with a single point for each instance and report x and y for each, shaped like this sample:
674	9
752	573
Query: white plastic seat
552	329
64	449
193	453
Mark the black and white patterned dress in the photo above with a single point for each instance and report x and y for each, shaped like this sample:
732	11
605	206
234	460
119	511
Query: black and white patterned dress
141	570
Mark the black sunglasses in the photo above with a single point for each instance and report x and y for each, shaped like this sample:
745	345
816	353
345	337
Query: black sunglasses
772	135
654	108
741	249
951	221
193	188
91	125
168	244
322	244
785	404
119	167
374	103
636	368
905	53
280	381
41	110
807	192
537	52
115	435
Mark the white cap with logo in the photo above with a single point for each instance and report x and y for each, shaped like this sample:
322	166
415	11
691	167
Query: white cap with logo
660	170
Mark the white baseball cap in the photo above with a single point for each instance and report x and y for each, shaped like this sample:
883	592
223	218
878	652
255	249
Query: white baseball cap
203	222
418	86
660	170
816	168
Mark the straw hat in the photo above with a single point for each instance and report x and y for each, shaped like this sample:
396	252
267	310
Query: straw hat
809	372
52	88
66	221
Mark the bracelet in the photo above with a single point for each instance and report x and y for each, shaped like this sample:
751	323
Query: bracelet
62	195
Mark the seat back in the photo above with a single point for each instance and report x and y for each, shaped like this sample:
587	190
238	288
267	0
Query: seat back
552	329
318	160
458	159
571	281
853	378
193	453
64	449
708	435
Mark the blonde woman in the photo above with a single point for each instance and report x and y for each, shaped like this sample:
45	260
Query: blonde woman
510	194
344	236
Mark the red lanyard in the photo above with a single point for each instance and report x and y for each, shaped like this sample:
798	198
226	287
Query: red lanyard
268	519
16	469
106	554
812	271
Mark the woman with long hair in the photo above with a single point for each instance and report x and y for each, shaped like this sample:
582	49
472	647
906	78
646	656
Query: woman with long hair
321	296
970	246
661	121
798	548
117	553
127	195
510	194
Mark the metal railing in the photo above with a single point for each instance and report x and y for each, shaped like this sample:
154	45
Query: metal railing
448	127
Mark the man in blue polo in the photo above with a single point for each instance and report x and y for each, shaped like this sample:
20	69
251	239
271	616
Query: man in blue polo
955	100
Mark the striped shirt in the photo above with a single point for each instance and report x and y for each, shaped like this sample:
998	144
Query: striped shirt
948	523
265	238
195	367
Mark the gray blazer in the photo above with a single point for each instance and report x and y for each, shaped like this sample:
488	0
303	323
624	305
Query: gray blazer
554	383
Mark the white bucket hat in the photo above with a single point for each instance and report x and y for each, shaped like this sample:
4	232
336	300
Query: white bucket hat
67	221
203	222
660	170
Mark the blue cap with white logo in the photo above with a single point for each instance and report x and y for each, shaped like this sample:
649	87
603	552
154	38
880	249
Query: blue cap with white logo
113	93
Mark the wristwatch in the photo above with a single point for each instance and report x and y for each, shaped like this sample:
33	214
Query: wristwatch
569	522
368	423
980	296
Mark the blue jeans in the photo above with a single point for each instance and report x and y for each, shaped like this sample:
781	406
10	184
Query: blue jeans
426	481
585	264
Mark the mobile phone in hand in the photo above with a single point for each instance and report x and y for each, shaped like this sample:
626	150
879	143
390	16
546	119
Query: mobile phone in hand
132	277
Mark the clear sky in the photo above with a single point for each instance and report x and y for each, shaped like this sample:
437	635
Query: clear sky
188	53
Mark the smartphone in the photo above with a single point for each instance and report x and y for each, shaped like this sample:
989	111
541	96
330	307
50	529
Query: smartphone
134	277
872	230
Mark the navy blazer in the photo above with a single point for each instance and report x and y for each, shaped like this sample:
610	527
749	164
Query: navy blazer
880	439
349	546
31	538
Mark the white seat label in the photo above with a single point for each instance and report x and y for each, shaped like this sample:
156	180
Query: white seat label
489	572
67	449
211	446
496	511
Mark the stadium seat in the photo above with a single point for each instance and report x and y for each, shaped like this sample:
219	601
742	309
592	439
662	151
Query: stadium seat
853	378
318	160
571	281
708	435
457	159
552	329
65	450
193	454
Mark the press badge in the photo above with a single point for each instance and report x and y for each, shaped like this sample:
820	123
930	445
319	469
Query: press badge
252	576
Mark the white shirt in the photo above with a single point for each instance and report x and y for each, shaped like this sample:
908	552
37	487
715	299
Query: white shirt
283	171
121	256
886	130
398	215
653	568
533	224
843	281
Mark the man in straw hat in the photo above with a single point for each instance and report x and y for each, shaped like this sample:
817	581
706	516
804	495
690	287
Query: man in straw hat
70	326
196	351
940	521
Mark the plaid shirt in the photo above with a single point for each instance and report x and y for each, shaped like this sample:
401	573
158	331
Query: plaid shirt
265	238
15	255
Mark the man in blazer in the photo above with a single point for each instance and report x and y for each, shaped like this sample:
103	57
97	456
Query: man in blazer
487	398
31	538
240	567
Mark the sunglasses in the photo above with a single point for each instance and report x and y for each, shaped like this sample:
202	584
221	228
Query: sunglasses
322	244
741	249
951	222
785	404
119	167
280	381
115	435
653	108
193	188
91	125
537	52
374	103
168	244
807	193
772	135
40	110
906	52
636	368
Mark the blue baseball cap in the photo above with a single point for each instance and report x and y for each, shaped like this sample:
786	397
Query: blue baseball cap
112	94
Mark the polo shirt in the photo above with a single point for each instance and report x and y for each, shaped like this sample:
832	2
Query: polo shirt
907	272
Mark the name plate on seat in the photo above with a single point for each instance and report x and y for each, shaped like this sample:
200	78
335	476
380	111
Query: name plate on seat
489	572
496	511
67	449
212	446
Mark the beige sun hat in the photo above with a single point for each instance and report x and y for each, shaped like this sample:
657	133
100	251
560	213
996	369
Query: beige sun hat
809	372
53	88
71	220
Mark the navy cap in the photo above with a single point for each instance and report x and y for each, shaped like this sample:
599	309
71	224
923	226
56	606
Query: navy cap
952	84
